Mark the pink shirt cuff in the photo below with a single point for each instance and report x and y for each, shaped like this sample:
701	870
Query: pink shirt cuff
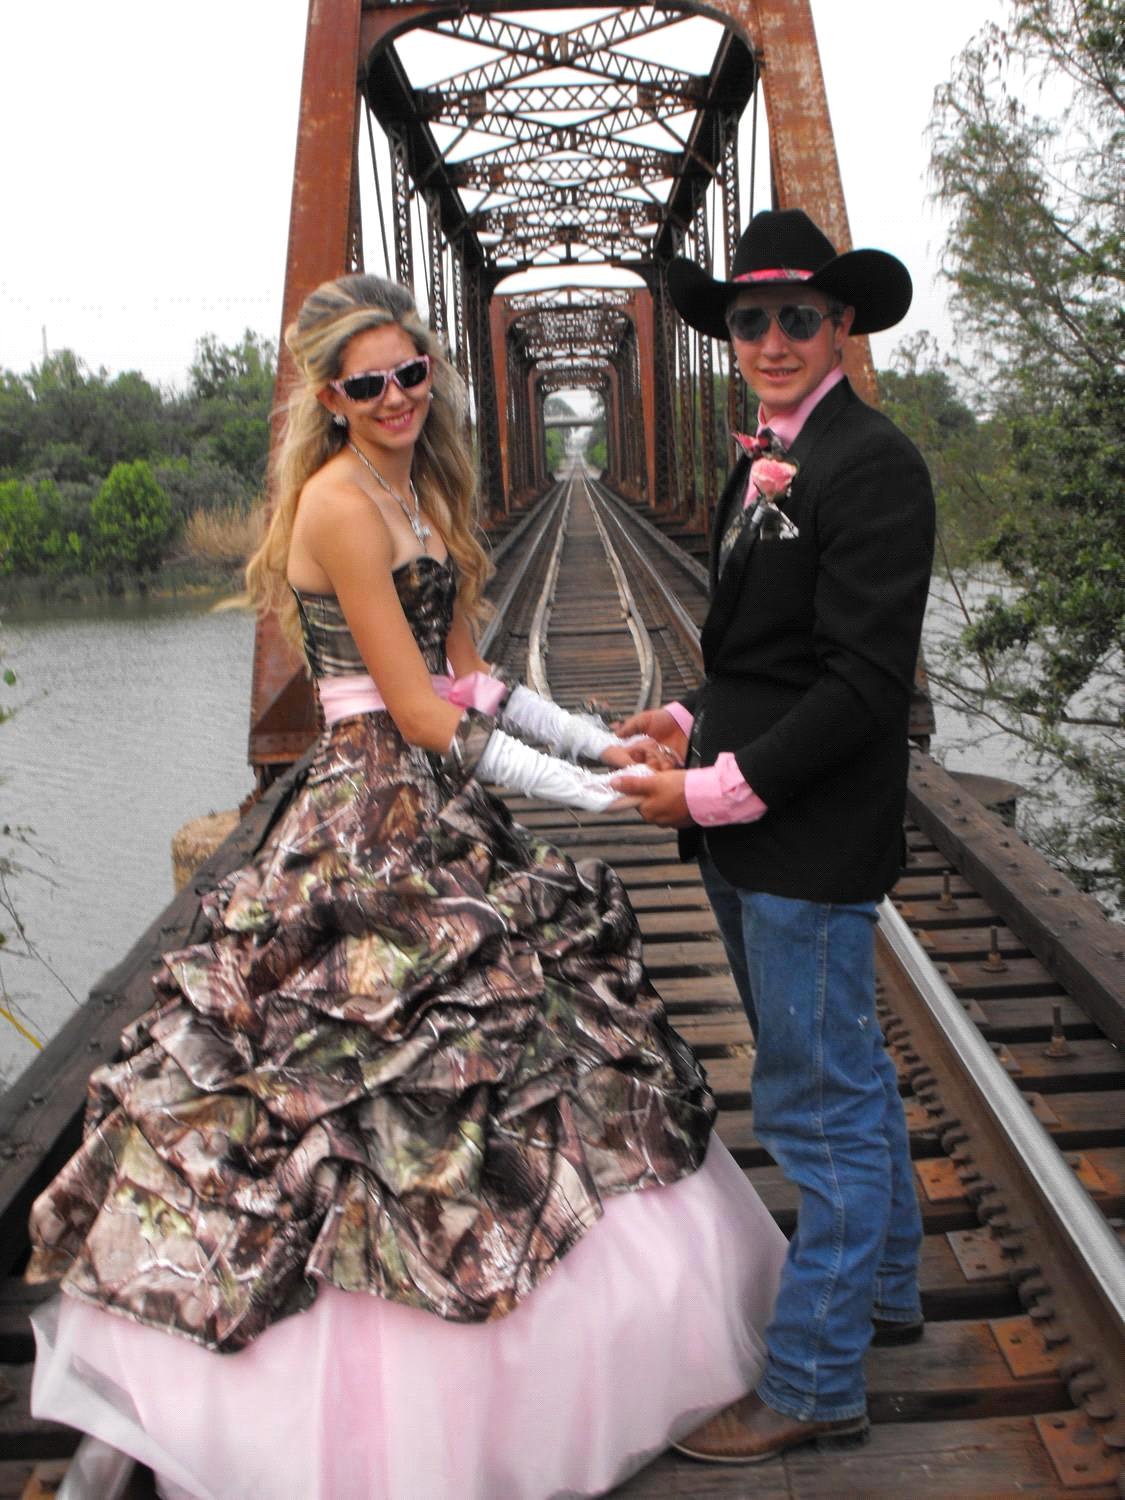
719	794
684	720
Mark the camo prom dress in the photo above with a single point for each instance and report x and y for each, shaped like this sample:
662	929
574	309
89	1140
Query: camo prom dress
404	1188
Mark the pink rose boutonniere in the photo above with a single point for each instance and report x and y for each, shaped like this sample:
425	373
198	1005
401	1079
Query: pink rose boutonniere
771	479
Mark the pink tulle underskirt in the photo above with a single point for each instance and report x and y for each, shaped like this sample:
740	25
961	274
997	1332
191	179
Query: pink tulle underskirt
649	1324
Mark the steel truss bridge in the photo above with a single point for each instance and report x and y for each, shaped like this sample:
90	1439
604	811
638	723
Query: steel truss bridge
532	170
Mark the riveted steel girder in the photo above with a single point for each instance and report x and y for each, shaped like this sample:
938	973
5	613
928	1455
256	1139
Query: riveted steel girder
283	716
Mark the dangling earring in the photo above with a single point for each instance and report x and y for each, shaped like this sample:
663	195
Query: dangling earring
429	395
339	420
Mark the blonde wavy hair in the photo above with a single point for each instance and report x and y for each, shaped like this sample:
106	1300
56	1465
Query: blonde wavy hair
443	471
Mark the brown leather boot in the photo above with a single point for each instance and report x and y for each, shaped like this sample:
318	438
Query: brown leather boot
750	1432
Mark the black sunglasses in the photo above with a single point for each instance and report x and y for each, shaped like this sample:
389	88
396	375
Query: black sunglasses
372	383
795	320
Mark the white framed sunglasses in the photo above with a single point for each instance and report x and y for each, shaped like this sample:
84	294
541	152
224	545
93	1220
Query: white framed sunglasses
372	384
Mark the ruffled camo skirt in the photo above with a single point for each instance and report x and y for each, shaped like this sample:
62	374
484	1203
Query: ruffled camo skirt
408	1157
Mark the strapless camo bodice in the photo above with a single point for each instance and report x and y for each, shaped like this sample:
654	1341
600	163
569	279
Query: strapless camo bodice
427	589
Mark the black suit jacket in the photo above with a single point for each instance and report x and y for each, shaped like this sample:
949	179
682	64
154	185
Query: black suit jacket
809	649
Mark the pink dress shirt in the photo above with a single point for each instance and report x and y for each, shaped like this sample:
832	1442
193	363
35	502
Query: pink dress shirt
720	794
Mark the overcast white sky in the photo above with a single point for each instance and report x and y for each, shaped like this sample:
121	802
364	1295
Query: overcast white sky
148	151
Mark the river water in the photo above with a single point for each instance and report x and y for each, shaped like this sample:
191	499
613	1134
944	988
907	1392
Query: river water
133	719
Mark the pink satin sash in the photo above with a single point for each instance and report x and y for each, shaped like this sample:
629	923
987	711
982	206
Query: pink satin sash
355	693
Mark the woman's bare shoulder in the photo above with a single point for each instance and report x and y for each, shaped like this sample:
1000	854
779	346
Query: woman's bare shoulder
337	527
331	498
331	487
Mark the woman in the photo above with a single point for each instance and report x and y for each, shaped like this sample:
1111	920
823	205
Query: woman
402	1188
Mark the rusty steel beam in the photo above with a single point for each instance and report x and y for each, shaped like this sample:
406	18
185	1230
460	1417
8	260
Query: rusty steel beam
400	205
705	364
643	321
686	412
283	717
461	343
665	495
439	320
538	429
736	387
613	428
498	344
806	169
478	292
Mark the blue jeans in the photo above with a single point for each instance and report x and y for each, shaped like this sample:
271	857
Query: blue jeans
827	1109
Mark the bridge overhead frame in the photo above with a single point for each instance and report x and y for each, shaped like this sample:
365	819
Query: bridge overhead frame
553	144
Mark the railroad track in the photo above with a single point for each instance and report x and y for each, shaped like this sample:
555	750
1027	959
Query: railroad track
1000	991
1012	1078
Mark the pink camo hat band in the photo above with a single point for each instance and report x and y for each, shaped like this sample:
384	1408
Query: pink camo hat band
776	273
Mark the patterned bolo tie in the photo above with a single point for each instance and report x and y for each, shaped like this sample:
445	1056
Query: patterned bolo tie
765	443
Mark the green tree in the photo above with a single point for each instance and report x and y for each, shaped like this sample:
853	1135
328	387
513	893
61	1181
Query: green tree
84	422
964	451
230	393
597	443
1035	257
201	483
131	521
17	411
64	427
35	531
242	372
1035	248
22	524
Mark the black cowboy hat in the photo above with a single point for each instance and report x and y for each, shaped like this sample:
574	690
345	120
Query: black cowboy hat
785	246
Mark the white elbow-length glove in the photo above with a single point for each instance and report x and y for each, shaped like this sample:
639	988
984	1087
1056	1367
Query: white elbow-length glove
479	749
563	733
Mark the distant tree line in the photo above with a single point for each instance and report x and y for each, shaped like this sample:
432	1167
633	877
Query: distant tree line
102	475
556	406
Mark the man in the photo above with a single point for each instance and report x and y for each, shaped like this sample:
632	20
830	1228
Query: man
793	798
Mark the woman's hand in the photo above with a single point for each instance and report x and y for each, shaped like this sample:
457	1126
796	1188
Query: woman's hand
660	799
643	752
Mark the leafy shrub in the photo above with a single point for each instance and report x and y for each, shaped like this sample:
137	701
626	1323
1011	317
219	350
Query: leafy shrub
131	520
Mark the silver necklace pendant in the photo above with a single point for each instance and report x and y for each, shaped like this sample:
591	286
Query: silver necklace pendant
417	525
413	517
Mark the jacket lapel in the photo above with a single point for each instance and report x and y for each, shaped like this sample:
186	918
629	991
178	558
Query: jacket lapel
732	495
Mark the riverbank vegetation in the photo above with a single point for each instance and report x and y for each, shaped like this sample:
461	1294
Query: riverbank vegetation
109	484
1036	258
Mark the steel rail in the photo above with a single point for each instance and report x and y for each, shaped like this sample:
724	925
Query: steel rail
523	526
678	615
502	608
676	555
642	641
537	641
1074	1213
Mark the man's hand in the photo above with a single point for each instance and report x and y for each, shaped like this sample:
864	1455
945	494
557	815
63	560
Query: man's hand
659	725
659	798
